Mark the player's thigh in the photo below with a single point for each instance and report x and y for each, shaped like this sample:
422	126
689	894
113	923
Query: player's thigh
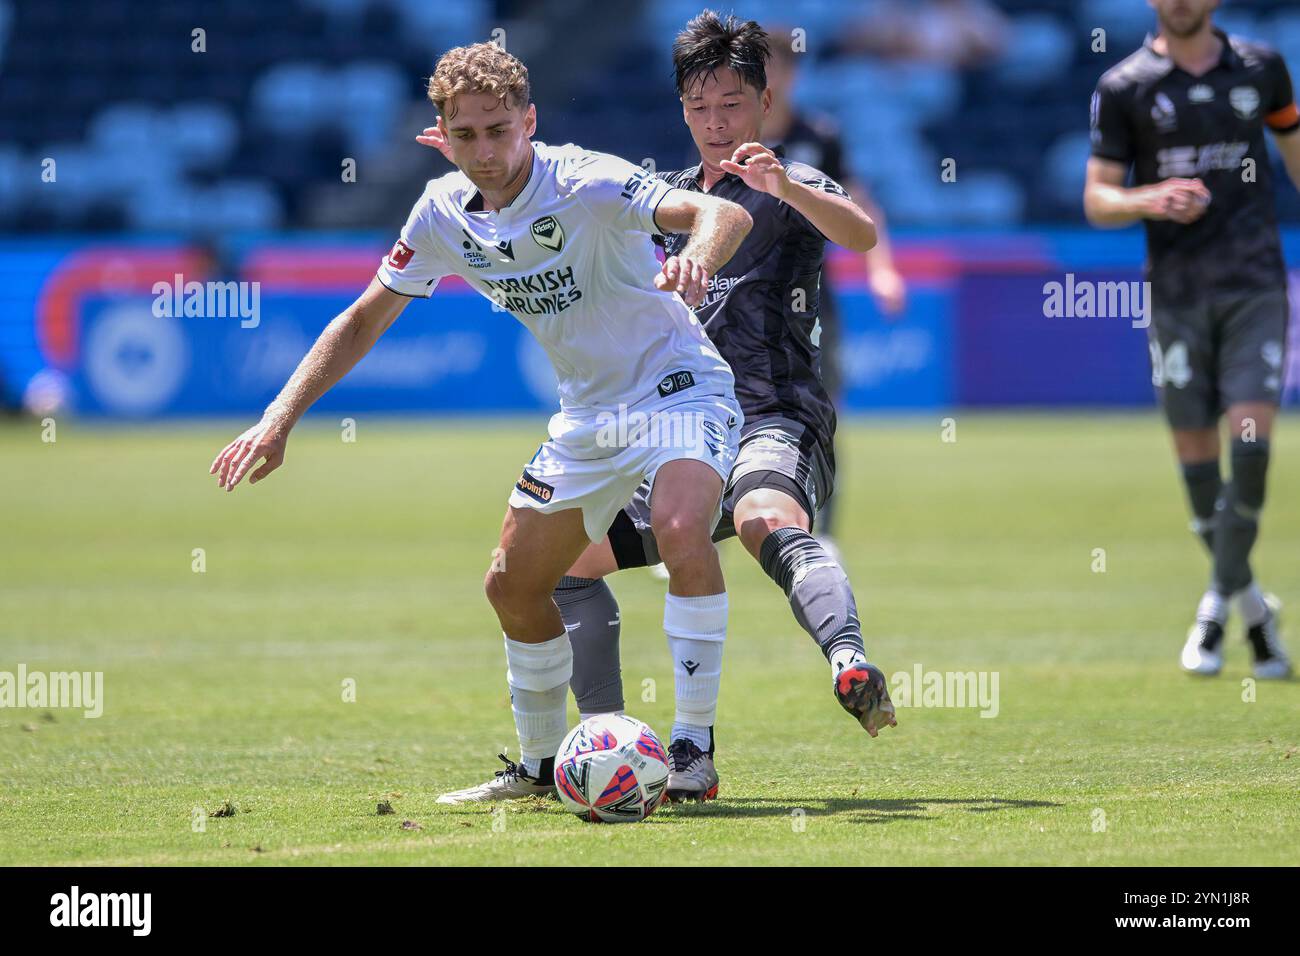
596	561
1251	359
684	500
535	551
688	466
780	456
1184	365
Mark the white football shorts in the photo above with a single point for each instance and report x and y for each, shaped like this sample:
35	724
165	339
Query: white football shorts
598	464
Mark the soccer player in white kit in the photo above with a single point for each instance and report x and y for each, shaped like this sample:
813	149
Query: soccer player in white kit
560	238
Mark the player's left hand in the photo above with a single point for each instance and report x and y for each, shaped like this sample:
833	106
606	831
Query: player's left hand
436	138
889	291
759	168
685	276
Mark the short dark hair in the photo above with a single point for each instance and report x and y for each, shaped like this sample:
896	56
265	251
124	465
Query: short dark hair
710	43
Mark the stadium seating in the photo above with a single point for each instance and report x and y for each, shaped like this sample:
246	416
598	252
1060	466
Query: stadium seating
251	131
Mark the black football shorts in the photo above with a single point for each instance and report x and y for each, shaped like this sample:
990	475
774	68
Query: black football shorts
1228	349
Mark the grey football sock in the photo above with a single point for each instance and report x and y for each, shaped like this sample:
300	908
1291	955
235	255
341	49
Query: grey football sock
1238	520
818	589
1204	484
591	617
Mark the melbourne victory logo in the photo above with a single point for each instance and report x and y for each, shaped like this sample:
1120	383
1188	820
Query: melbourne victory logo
548	233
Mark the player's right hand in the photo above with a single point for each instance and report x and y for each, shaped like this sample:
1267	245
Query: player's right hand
435	138
266	440
685	276
1178	200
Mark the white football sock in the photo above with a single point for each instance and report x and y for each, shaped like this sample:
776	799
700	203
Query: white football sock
843	657
1251	604
538	675
696	629
1213	607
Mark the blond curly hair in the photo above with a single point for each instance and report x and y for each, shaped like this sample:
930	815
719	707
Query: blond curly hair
479	68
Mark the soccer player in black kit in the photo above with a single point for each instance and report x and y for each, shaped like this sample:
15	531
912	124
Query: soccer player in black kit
1187	113
761	312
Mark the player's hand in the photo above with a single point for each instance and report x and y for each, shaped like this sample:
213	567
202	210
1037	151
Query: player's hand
889	291
435	137
759	168
685	276
266	440
1178	200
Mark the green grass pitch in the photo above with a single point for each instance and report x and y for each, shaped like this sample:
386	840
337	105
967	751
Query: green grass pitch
363	562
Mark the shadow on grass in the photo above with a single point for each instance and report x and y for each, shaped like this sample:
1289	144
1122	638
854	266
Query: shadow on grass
864	810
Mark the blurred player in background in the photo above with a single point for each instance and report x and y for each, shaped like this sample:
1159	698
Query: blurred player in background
560	238
1187	114
815	141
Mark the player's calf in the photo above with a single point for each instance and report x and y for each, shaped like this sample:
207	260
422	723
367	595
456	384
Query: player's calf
775	529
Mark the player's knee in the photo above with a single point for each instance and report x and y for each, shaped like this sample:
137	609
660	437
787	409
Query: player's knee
759	524
1196	444
683	542
511	597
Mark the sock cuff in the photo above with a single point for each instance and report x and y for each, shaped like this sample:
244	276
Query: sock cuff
1202	470
539	667
568	583
774	543
696	618
1247	449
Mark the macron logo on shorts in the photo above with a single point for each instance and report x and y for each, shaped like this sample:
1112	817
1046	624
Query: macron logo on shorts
533	488
400	256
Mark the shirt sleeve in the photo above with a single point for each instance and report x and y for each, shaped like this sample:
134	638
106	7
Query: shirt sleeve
414	266
1111	134
619	194
833	157
814	179
1281	115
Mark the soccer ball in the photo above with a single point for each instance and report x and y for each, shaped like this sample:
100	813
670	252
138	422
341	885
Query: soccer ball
611	769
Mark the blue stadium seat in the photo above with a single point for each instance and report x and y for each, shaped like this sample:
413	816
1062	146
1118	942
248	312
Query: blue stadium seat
1066	166
18	177
127	126
1039	52
293	98
1284	34
204	134
238	205
1126	22
372	97
436	27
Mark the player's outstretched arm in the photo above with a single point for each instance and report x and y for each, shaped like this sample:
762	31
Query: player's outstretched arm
343	343
716	228
1108	202
886	282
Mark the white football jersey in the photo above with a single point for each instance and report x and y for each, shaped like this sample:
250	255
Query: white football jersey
571	258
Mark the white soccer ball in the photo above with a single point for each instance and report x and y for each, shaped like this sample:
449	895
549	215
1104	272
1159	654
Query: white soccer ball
611	769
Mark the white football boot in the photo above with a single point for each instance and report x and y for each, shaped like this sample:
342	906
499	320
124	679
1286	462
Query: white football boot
691	773
509	784
1203	652
1271	660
